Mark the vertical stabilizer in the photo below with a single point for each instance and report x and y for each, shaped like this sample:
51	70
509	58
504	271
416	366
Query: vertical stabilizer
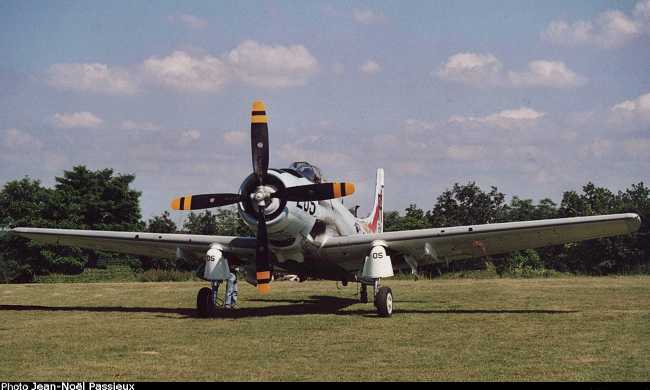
375	221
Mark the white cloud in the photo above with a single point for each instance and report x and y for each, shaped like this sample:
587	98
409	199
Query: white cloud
638	148
97	78
471	69
235	137
271	66
640	105
191	21
250	63
485	70
596	148
642	10
338	68
18	140
465	152
541	73
370	67
507	119
82	119
134	125
417	125
186	73
56	162
410	168
190	136
610	29
298	152
368	16
631	114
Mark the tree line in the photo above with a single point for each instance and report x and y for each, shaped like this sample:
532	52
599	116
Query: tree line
104	200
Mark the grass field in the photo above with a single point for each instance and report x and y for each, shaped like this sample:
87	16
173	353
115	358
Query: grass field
497	329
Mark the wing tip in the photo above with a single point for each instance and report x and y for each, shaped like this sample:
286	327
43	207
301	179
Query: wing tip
633	221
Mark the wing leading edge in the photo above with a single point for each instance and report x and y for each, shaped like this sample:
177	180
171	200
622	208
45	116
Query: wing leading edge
462	242
139	243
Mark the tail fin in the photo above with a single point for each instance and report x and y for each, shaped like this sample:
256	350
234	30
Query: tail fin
375	221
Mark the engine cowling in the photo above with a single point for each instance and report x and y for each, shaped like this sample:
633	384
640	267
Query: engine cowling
284	218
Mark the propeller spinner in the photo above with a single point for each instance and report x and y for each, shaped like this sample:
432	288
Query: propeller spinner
261	196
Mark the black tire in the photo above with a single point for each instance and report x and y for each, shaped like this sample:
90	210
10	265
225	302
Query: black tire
204	305
384	302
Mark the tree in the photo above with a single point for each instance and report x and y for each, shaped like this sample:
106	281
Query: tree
161	224
201	223
100	200
229	223
97	200
392	221
637	200
599	256
414	218
467	205
23	203
225	222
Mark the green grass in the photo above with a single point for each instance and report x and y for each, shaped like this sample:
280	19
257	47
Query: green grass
579	328
119	274
113	273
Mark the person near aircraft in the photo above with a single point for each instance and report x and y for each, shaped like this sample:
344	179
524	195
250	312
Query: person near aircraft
231	288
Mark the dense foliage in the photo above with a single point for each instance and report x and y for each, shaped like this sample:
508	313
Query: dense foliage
81	199
469	204
103	200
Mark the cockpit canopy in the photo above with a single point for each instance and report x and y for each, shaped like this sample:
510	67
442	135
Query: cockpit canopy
307	170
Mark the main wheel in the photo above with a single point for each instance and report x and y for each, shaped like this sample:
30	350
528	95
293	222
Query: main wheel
384	301
204	305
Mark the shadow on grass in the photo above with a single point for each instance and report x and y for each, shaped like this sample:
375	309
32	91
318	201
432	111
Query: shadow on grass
316	304
100	309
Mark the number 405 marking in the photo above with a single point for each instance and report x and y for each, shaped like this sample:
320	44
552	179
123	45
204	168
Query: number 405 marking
309	207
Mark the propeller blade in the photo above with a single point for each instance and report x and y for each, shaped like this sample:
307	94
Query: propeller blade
314	192
259	140
262	255
204	201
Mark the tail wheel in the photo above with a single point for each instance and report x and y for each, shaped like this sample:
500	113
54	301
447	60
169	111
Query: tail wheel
204	304
384	302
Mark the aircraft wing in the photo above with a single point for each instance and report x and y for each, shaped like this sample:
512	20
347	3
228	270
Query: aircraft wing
462	242
139	243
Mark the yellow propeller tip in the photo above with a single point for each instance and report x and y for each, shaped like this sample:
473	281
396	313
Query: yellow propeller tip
182	203
264	288
258	105
342	189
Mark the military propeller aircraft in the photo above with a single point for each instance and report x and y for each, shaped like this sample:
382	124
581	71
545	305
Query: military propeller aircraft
303	228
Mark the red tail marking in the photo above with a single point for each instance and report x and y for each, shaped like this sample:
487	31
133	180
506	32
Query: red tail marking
375	217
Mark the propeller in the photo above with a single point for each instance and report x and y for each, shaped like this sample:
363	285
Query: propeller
261	196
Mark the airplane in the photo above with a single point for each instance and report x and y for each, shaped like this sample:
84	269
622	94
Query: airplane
303	228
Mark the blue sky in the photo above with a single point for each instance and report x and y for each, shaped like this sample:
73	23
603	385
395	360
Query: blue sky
535	98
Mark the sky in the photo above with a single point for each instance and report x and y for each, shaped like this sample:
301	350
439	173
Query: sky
535	98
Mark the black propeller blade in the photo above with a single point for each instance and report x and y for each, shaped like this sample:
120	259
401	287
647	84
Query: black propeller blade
259	141
204	201
261	195
314	192
262	255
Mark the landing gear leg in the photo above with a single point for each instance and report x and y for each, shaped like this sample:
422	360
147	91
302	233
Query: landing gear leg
363	295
